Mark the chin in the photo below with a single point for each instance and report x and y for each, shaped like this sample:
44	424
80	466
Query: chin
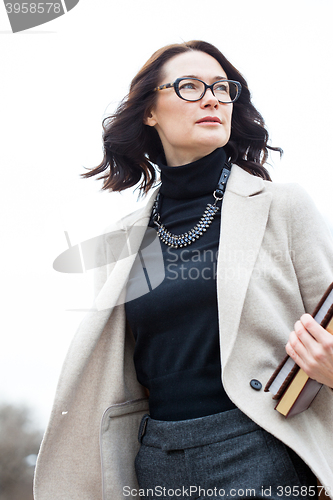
214	140
210	146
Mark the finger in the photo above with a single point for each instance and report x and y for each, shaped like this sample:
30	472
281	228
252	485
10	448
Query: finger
293	354
320	338
314	328
296	347
304	336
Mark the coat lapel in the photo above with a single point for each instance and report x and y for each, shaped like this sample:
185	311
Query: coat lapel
123	244
243	222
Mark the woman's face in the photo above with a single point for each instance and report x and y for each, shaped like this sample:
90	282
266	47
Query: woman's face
184	137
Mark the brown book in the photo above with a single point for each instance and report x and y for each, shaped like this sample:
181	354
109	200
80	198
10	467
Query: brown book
289	383
299	395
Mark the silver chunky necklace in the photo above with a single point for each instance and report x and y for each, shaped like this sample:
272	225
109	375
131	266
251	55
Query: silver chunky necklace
183	240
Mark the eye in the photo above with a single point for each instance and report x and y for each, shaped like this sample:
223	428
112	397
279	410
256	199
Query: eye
222	87
189	85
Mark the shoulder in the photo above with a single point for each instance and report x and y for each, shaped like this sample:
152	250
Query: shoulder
284	190
283	195
293	206
245	183
289	202
289	196
118	235
294	201
141	215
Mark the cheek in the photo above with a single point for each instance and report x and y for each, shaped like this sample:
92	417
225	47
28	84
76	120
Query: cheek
228	116
174	121
227	125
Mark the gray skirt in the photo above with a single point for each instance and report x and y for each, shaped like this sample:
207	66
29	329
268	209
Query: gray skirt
215	457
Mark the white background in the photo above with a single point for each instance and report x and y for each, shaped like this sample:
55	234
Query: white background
60	79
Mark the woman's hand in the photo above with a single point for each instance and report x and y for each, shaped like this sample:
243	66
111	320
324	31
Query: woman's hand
313	353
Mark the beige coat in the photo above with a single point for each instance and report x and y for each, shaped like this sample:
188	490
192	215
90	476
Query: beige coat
275	261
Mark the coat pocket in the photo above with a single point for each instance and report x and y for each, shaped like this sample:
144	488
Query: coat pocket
119	446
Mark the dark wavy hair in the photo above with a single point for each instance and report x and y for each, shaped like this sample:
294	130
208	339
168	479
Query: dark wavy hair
131	147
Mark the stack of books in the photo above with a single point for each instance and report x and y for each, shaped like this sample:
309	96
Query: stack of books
289	384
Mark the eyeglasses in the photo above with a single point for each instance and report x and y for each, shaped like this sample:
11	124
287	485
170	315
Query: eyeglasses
193	89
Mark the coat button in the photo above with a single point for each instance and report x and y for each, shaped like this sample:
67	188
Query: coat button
255	384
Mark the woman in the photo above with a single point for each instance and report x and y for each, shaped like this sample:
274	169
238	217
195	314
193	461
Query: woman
229	299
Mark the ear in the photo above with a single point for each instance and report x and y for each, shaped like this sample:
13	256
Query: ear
150	118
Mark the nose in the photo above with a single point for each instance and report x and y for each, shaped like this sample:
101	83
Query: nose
209	99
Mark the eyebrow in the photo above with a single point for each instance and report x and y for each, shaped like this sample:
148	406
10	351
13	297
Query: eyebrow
215	77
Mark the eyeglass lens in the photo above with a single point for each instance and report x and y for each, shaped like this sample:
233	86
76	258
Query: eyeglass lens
192	90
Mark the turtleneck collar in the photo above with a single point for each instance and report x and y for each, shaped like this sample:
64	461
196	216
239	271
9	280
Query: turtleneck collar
193	179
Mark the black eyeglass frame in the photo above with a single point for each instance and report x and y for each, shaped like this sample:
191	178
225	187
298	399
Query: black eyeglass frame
175	86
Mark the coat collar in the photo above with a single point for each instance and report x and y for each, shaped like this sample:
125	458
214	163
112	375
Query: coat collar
244	184
240	182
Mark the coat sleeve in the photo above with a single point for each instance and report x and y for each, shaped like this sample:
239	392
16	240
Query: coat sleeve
311	247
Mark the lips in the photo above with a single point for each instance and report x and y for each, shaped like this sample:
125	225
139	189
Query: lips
209	119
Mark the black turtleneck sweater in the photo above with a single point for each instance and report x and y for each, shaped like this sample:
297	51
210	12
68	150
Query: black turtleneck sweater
175	325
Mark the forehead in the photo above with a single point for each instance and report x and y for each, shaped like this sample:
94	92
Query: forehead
195	63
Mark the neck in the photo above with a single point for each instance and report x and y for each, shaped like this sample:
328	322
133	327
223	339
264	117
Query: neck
179	158
193	179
